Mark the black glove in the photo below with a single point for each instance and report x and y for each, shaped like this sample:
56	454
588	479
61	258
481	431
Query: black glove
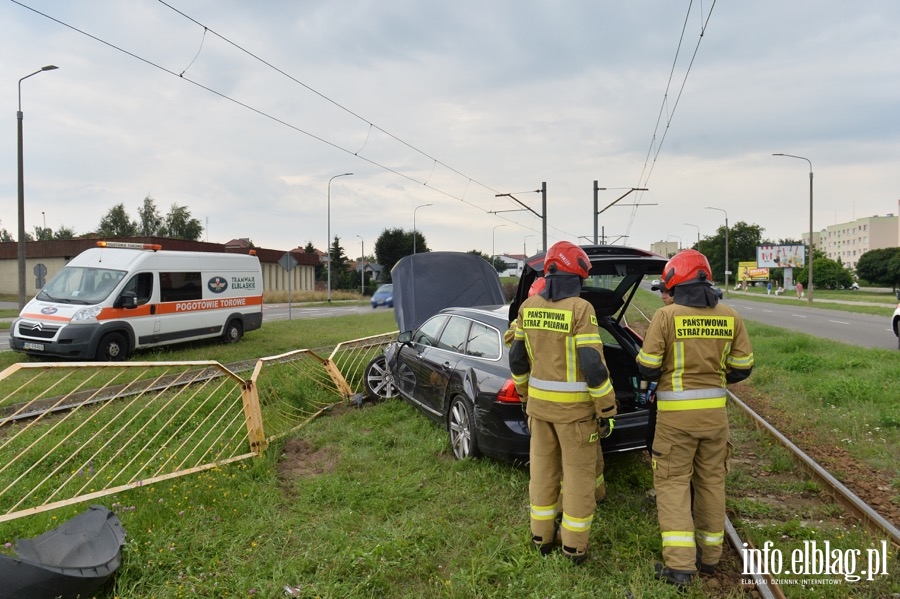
606	426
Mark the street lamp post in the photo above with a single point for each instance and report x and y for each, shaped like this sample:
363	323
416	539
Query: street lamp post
328	241
414	224
679	241
809	283
21	206
698	234
726	245
494	251
524	248
362	266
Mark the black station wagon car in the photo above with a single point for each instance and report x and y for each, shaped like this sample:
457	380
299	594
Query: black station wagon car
454	366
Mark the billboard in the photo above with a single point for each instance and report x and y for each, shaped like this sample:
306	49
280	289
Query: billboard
781	256
749	271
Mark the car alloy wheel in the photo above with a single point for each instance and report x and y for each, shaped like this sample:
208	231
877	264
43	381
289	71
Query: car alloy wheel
461	424
378	380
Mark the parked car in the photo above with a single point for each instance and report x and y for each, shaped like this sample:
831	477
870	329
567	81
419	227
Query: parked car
454	368
383	296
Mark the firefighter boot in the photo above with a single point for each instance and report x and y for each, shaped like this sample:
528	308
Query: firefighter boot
577	557
547	547
678	578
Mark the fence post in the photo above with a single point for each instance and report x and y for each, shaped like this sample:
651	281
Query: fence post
253	417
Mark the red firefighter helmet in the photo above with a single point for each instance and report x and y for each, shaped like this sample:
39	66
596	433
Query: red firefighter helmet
537	286
565	256
687	266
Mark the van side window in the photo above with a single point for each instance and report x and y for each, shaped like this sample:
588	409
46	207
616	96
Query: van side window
179	286
142	286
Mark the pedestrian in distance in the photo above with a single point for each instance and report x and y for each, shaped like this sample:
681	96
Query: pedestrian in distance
693	348
557	365
769	288
799	288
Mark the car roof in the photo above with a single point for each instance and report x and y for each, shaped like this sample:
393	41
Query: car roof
480	312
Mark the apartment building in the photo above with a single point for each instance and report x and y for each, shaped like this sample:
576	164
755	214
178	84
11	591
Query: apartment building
846	242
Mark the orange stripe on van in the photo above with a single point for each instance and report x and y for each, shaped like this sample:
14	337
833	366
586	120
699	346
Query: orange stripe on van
186	307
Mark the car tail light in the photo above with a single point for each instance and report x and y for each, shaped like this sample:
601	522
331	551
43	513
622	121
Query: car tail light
508	393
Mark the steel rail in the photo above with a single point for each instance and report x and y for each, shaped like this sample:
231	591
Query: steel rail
874	522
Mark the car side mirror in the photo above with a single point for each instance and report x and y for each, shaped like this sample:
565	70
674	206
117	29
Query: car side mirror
127	300
405	337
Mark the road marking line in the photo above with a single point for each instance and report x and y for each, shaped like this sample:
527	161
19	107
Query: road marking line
838	322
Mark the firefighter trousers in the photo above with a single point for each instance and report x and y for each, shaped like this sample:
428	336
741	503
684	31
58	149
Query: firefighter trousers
679	459
563	456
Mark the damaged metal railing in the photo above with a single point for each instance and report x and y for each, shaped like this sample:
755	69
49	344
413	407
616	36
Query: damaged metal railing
73	432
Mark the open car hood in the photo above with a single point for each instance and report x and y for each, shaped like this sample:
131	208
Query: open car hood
616	271
426	283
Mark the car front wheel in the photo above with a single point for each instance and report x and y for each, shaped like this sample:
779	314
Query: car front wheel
461	424
378	380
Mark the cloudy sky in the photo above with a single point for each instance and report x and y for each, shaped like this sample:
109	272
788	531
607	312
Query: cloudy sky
243	112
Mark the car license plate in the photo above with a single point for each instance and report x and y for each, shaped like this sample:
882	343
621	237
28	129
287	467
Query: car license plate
34	346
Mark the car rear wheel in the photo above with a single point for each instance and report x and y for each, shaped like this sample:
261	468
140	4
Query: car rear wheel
113	347
461	424
379	380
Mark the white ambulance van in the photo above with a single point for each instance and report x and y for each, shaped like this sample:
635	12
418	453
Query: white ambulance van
118	297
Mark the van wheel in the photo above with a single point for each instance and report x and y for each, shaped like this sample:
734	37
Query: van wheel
233	331
113	348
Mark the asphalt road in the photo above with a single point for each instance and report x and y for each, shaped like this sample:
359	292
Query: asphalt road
864	330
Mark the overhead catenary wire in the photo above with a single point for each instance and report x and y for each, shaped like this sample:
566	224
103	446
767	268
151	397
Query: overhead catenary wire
298	129
650	159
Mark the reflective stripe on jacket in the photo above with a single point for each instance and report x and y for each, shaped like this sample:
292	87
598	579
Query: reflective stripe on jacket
693	348
553	379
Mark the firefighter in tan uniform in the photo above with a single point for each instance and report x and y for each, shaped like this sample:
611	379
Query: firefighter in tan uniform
693	347
557	365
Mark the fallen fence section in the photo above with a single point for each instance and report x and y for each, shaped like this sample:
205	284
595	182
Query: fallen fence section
76	431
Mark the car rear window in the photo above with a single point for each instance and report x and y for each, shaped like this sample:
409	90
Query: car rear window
484	342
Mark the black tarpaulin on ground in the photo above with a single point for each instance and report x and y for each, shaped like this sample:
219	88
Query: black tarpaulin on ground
74	559
425	284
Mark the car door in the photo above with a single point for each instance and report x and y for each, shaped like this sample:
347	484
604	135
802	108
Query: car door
409	359
439	362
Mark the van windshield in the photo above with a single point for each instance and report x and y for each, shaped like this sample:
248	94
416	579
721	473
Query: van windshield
81	285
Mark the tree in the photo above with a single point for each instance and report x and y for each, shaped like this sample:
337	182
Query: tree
43	233
394	244
116	223
880	267
64	233
180	225
5	236
337	262
497	262
150	222
742	242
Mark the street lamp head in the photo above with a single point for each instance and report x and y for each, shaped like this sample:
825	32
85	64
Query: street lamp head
49	67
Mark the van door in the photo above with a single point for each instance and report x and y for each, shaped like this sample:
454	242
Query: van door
144	318
181	307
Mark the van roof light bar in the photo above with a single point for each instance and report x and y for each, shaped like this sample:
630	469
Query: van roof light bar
129	246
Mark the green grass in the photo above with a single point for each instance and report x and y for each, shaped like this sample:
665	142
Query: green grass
377	507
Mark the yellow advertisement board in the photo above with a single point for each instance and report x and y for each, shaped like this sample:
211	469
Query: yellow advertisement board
749	271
